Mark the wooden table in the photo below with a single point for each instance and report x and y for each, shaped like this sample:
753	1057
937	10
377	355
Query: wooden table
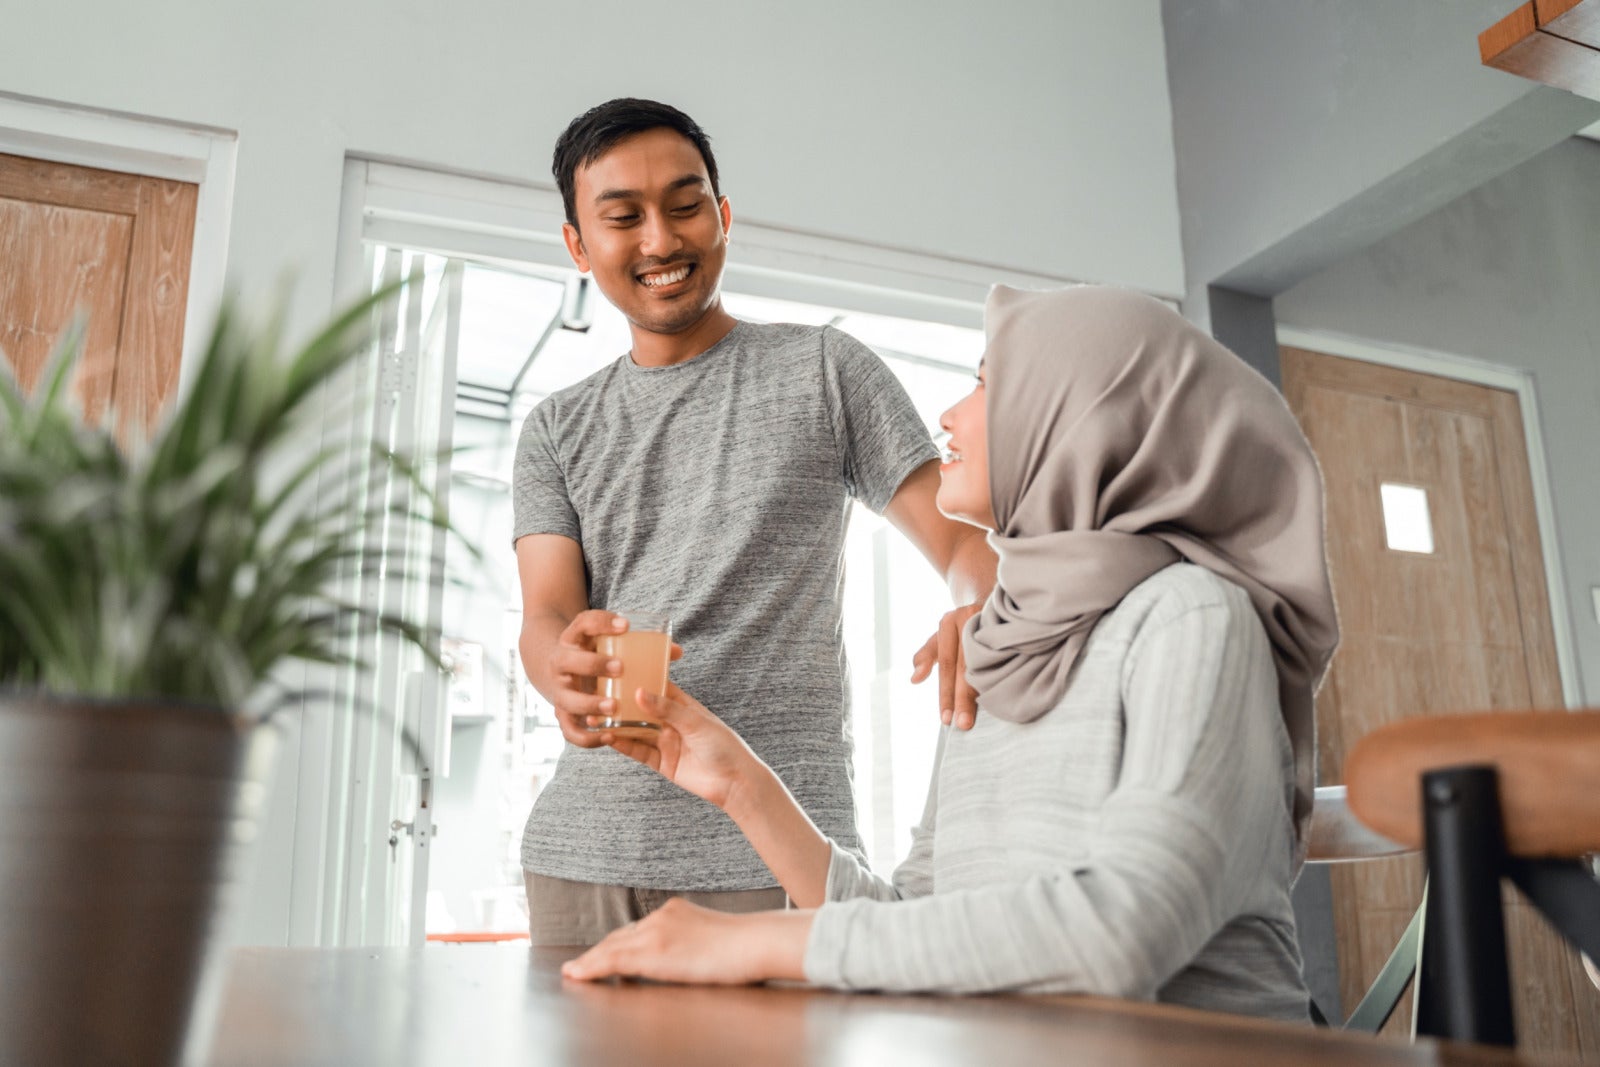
485	1005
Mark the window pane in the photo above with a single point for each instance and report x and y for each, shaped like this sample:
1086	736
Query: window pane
1406	525
502	756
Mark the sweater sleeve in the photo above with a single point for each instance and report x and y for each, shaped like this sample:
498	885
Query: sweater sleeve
1173	850
849	878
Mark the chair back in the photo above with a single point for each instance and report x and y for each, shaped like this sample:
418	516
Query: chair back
1548	764
1487	796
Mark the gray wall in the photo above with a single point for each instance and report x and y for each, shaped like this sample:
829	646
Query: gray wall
1305	130
943	126
932	125
1508	274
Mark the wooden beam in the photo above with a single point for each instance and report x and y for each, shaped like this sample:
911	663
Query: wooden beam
1509	31
1556	42
1575	20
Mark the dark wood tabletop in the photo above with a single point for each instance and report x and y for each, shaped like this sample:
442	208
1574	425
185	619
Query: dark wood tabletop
484	1005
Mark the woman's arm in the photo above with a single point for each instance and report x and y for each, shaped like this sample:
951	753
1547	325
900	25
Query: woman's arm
1191	824
1198	817
681	942
699	752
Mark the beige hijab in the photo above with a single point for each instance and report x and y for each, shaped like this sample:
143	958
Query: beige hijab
1121	440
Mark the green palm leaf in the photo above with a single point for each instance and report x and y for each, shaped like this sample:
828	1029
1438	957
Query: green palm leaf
199	564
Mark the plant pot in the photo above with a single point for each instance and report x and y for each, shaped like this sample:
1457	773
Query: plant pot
122	829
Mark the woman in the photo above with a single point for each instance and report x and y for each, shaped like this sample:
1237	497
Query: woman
1129	812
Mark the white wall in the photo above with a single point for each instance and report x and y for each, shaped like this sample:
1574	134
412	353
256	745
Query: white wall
1508	274
1305	131
1025	134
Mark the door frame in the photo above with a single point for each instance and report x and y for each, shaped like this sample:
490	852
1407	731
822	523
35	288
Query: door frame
132	144
1496	376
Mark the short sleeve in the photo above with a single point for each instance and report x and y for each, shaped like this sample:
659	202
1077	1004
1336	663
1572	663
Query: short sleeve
540	503
882	438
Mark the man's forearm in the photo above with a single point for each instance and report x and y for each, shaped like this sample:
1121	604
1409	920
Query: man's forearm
971	574
540	635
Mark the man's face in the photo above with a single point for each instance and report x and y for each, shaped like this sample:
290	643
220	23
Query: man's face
650	230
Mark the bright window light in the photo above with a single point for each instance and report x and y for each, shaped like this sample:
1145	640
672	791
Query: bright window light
1406	526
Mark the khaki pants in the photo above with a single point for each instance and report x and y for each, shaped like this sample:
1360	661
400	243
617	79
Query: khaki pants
581	913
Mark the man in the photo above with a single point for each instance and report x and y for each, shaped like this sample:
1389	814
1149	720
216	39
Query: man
708	474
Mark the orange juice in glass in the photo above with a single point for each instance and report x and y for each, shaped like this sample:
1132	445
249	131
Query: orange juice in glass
644	651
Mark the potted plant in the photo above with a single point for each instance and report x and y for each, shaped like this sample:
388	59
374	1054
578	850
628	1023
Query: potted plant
150	601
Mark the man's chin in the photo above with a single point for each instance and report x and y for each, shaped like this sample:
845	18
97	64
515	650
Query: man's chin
671	321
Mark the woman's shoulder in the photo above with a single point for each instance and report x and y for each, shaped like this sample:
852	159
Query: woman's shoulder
1185	594
1182	588
1184	602
1183	617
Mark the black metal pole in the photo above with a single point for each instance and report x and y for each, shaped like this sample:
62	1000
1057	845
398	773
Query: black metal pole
1465	990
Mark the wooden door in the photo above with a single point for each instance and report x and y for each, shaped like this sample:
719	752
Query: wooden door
1464	627
115	246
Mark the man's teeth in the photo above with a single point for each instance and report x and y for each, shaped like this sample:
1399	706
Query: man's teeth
670	278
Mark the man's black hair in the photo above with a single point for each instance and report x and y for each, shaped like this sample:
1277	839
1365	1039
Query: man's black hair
594	133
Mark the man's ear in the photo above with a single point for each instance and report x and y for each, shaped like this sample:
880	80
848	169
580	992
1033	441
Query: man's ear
726	211
574	243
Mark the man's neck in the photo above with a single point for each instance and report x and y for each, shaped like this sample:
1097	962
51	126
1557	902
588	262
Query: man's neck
666	349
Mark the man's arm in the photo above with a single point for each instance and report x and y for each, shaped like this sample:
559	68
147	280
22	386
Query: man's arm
558	632
961	554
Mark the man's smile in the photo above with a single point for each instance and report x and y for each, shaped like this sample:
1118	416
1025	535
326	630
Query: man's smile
668	278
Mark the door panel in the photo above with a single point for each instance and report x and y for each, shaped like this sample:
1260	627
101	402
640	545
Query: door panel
1466	627
59	260
113	246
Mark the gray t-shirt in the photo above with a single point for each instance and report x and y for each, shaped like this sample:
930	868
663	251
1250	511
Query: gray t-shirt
717	491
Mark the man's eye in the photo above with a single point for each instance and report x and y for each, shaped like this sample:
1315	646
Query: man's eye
621	219
686	209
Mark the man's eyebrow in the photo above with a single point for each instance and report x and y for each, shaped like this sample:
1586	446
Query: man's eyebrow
634	194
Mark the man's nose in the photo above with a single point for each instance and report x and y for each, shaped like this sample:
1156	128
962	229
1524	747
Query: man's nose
658	239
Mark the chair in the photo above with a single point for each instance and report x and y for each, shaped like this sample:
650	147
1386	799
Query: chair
1337	836
1487	796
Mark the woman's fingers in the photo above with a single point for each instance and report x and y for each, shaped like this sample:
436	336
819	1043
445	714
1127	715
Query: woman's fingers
637	949
676	707
635	749
601	961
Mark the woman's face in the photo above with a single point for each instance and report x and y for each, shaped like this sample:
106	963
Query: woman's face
964	476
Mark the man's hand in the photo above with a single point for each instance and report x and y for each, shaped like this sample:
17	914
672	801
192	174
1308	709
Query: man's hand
576	667
683	942
963	558
958	701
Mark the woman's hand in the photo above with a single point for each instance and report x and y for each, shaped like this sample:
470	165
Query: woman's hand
694	749
682	942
